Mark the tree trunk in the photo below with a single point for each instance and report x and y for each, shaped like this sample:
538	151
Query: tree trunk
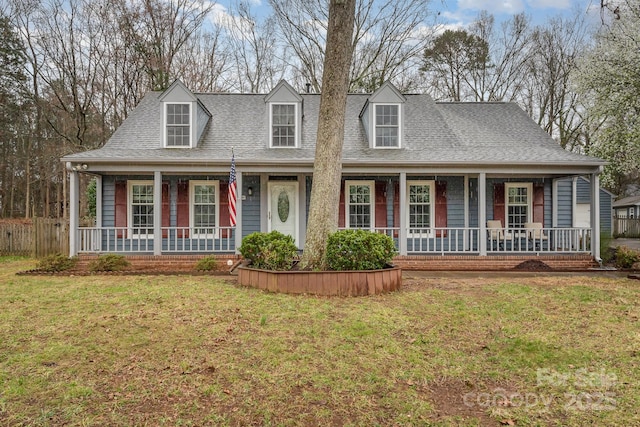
327	171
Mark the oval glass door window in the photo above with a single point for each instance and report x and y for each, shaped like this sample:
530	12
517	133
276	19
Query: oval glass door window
283	206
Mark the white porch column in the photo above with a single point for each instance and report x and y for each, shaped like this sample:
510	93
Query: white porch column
482	213
157	213
595	215
465	238
402	234
240	192
74	212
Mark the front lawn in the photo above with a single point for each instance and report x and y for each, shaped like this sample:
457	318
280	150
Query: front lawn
200	350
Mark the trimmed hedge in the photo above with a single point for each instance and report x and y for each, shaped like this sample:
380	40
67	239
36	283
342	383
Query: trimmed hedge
359	250
269	251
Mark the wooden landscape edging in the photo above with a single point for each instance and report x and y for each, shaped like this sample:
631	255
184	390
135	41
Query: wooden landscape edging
328	283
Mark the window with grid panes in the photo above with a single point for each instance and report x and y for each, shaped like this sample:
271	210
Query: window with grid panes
360	200
178	125
387	125
518	204
204	207
142	208
420	210
283	125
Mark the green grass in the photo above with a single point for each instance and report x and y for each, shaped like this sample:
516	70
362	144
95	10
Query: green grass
180	350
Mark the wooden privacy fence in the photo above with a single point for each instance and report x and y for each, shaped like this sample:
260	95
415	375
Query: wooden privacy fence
626	227
37	237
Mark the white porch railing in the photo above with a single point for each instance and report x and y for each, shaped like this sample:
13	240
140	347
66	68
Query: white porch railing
463	240
174	240
539	240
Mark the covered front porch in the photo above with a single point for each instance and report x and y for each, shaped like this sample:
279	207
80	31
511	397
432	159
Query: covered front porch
461	218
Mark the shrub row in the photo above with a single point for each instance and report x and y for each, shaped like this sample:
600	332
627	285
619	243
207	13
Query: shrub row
346	250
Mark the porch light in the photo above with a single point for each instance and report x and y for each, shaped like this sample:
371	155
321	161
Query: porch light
250	191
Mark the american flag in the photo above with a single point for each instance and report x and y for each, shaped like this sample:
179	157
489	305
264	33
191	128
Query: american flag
232	192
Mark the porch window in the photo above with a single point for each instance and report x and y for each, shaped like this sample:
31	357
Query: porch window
360	209
204	207
178	125
387	126
518	204
283	125
421	206
141	208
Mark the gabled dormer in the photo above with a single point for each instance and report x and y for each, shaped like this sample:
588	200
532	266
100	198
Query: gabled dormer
383	117
284	109
184	117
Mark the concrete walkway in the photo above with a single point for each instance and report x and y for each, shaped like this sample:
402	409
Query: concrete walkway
630	243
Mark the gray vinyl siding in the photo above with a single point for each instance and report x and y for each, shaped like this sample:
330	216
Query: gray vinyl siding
583	191
251	205
606	227
473	202
565	203
455	201
108	201
202	120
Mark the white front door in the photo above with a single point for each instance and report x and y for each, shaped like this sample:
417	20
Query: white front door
283	207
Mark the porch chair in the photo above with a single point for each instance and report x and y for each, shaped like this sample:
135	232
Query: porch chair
535	234
497	233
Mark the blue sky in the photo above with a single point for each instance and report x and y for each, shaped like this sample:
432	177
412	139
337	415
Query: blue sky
461	12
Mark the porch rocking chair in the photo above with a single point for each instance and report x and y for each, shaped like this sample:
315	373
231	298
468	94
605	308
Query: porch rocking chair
497	234
535	234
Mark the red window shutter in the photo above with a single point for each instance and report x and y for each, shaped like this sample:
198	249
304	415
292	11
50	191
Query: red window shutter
538	203
121	206
166	213
225	220
396	208
498	203
441	207
182	208
381	204
341	208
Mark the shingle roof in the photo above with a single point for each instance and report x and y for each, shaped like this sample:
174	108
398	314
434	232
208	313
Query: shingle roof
434	133
627	201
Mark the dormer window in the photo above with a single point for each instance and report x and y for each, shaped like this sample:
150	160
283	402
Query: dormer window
178	125
284	109
284	125
387	125
382	117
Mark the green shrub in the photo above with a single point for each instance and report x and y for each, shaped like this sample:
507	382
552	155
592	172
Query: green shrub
359	250
56	262
208	263
626	257
109	262
269	251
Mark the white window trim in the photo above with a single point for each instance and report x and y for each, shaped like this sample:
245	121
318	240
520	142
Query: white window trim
192	195
130	226
372	203
165	125
529	186
375	125
432	207
296	130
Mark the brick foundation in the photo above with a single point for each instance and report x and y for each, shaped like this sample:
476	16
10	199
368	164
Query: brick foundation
491	262
179	263
186	263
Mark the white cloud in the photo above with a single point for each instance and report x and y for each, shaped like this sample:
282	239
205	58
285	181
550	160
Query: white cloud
493	6
549	4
